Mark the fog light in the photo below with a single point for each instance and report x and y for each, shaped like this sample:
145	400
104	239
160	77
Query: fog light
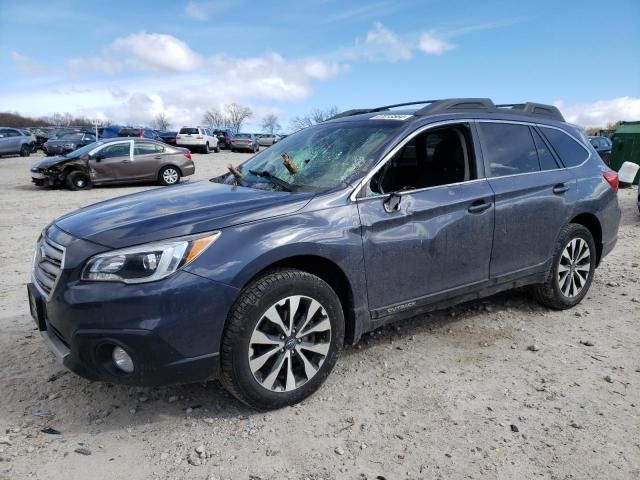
122	360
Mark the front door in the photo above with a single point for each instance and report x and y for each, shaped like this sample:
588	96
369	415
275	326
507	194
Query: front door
427	222
109	164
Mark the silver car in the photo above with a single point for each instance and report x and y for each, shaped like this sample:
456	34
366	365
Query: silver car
15	141
267	139
116	160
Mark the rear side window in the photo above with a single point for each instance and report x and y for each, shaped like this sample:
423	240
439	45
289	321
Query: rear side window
189	131
547	162
570	152
509	149
147	148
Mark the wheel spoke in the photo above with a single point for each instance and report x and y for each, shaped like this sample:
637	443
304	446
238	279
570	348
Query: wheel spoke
566	284
291	380
262	338
573	289
321	348
270	379
294	304
258	362
322	326
563	268
309	369
311	311
583	278
274	317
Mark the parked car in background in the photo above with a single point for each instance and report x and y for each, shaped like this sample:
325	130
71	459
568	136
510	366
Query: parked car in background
138	132
245	142
224	137
41	135
261	275
14	141
267	139
67	143
115	160
111	131
168	137
197	138
603	146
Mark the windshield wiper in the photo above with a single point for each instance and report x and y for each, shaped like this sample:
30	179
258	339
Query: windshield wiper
273	179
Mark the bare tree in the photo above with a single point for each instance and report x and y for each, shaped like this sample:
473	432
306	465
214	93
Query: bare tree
161	121
316	116
215	119
270	124
236	115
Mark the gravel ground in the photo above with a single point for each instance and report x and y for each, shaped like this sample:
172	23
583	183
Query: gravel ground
459	394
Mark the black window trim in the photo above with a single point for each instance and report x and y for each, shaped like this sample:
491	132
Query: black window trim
547	144
355	195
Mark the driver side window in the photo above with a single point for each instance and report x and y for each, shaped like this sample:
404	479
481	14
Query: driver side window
436	157
117	150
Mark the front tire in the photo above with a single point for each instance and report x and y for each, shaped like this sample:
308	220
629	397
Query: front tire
77	181
282	339
169	175
574	264
206	148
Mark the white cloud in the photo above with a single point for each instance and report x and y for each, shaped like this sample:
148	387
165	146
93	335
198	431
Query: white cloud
601	112
320	69
203	11
141	51
380	44
27	65
432	45
158	52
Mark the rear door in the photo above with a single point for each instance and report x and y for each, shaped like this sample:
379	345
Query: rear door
111	162
4	140
147	159
533	196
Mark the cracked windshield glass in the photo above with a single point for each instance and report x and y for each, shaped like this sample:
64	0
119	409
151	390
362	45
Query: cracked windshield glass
316	158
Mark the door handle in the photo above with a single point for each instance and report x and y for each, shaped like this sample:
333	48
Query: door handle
560	188
158	157
479	206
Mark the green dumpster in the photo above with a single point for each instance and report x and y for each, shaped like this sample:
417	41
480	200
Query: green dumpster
626	146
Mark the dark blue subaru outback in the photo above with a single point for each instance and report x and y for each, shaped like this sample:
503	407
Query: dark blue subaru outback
258	277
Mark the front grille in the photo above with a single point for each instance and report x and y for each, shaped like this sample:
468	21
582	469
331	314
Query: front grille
47	264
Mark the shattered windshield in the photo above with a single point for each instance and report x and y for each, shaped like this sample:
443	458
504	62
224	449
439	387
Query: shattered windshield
318	157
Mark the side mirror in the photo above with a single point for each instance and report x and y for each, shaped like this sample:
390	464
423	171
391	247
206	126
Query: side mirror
392	202
99	157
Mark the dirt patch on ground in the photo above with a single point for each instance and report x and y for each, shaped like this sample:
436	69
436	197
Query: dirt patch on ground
456	394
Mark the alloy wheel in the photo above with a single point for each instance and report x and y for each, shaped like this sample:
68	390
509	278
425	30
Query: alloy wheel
289	343
574	267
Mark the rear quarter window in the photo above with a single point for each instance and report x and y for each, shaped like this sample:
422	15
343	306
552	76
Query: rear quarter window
571	152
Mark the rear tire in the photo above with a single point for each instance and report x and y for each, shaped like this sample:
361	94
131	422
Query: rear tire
77	180
169	175
206	148
574	264
268	365
25	150
217	149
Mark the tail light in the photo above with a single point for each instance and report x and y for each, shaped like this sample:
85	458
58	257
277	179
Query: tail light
188	155
141	134
612	179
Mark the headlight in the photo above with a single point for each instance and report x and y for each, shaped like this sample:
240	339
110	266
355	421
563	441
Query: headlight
149	262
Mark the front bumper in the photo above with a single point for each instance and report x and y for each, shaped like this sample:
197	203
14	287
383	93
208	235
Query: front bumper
171	328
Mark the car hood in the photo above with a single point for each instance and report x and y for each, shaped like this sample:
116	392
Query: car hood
175	211
51	161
